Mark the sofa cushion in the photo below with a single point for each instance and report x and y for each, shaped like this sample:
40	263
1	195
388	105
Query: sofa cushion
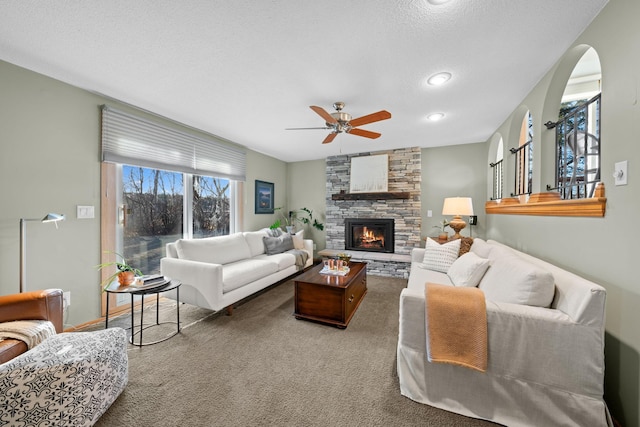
277	245
214	250
481	248
238	274
467	270
514	280
440	257
298	240
254	240
283	260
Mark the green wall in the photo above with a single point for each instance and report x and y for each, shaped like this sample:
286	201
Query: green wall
600	249
263	168
50	162
453	171
307	189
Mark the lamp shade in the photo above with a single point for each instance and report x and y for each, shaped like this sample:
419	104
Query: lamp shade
53	217
457	206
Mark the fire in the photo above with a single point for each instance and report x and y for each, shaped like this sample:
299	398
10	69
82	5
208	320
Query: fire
369	238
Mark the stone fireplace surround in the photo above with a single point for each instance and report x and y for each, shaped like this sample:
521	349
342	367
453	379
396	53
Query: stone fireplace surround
404	177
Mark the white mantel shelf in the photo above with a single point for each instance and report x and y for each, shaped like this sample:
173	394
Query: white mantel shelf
367	256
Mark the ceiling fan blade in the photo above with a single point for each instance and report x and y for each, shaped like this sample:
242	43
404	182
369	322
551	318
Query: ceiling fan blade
370	118
325	128
365	133
330	138
322	113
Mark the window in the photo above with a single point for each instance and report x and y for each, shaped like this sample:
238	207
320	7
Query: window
578	131
497	172
523	158
160	182
155	211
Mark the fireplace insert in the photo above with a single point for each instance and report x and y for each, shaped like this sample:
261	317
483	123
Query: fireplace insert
369	234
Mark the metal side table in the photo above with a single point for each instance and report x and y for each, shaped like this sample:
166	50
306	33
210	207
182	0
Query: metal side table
157	288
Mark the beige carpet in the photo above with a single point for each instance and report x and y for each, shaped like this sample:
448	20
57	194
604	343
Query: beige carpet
261	367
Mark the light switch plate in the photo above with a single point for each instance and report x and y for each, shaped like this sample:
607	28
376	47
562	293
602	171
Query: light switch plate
620	173
85	212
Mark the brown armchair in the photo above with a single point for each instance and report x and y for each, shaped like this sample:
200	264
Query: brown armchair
35	305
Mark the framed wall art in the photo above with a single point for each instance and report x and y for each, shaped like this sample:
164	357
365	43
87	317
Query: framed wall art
264	197
369	174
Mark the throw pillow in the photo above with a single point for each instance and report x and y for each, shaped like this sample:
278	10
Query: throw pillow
298	240
274	232
514	280
465	245
277	245
467	270
439	257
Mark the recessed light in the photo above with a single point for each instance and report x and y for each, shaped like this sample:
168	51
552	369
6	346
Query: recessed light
439	78
438	2
434	117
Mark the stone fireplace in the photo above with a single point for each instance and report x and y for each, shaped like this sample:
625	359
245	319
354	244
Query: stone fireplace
369	234
401	203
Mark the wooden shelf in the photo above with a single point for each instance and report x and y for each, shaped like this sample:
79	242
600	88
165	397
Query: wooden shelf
371	196
549	204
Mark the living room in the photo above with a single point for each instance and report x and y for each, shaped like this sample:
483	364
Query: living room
51	162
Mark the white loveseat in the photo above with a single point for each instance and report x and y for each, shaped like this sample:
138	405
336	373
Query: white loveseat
545	365
217	272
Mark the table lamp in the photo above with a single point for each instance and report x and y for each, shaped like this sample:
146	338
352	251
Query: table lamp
457	206
50	217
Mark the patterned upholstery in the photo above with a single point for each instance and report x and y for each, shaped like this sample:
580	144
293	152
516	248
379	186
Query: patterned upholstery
69	379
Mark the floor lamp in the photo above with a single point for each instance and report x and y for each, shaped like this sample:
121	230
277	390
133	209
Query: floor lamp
50	217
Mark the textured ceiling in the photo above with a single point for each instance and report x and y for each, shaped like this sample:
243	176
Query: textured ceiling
246	70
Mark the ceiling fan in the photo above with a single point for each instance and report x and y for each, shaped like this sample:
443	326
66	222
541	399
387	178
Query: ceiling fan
340	122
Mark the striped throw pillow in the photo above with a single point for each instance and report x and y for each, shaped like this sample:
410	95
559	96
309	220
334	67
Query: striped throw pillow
440	257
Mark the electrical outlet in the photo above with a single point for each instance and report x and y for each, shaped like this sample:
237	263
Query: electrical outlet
473	220
66	299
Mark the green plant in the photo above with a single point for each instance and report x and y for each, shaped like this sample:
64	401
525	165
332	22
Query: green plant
120	268
442	225
303	216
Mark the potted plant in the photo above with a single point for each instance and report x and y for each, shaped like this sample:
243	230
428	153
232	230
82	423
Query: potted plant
302	215
125	273
286	219
443	234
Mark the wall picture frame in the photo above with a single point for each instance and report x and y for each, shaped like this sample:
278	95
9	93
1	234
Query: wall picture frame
369	174
264	197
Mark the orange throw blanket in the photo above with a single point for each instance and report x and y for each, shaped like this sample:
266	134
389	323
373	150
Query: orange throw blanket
456	325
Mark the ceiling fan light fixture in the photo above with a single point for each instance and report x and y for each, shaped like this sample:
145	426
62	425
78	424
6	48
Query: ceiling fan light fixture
434	117
439	78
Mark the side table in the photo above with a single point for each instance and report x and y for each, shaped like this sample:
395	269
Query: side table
165	286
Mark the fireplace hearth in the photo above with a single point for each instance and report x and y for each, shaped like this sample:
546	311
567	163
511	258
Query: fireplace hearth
369	234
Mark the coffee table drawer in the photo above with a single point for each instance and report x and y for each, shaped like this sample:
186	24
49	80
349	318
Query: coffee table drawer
353	295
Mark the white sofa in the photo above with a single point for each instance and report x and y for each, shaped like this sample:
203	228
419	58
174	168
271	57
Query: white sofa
217	272
545	365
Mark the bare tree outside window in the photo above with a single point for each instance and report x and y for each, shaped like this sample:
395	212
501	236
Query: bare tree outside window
153	205
154	212
210	206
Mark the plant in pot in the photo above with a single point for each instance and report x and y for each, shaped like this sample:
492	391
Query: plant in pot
303	216
125	273
443	234
286	220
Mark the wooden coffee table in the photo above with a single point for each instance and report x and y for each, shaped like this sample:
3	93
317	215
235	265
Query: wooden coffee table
330	299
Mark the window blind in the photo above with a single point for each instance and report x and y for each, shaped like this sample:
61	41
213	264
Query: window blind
133	140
